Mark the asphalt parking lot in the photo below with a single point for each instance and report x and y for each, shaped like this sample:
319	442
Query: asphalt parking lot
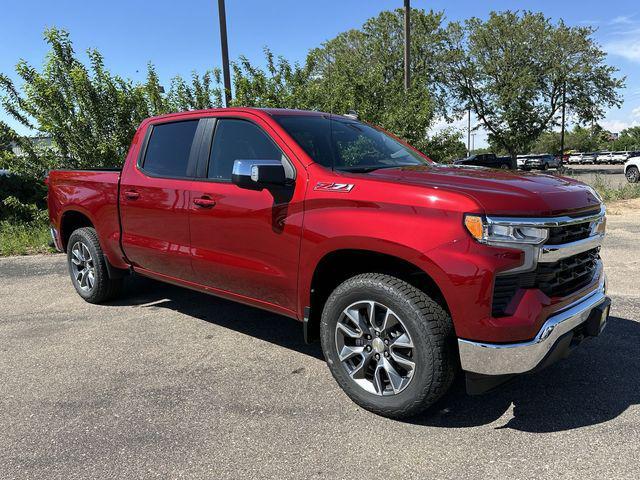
611	175
169	383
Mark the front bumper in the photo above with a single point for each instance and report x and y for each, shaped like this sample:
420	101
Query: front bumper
514	358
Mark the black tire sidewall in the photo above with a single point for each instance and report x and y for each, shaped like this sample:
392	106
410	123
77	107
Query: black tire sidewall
424	347
101	276
637	174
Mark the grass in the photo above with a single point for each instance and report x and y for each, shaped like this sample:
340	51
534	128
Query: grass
611	194
24	238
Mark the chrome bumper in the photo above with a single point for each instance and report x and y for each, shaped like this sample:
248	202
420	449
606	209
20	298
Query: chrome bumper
521	357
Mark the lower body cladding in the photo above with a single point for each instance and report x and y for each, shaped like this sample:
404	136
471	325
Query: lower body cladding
489	364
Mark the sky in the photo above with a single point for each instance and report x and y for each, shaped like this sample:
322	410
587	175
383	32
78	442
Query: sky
182	36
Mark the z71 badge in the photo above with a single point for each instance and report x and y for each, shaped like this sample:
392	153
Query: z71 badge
334	187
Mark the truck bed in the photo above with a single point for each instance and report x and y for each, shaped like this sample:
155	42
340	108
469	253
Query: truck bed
92	192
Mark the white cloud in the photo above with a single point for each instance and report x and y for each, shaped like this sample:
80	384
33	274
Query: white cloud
635	113
617	125
628	48
622	20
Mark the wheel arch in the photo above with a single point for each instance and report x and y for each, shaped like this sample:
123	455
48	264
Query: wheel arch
338	265
71	220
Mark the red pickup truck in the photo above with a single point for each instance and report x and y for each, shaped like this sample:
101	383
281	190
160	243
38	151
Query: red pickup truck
406	270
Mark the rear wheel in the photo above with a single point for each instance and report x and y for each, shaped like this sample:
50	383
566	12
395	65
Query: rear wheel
632	174
88	269
387	344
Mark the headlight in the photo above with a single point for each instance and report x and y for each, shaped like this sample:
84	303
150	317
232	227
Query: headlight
490	233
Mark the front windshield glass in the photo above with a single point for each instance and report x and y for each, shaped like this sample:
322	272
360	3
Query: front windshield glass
346	144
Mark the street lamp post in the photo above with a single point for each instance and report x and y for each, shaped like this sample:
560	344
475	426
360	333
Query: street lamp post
225	53
407	44
564	99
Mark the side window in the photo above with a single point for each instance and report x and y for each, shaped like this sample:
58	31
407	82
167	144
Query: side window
238	140
168	148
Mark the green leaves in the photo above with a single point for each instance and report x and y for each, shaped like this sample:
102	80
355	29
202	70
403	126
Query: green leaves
512	70
90	113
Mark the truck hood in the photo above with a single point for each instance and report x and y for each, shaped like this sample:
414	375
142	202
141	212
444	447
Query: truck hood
500	192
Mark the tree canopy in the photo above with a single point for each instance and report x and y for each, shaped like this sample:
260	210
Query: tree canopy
514	68
90	114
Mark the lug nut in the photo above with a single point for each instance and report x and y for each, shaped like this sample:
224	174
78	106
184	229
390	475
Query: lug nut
386	342
377	356
386	354
368	337
368	348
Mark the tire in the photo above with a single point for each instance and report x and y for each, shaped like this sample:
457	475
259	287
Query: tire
545	166
504	166
88	269
429	330
632	174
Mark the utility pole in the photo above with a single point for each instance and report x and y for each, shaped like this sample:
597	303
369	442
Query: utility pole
564	99
225	53
407	44
469	131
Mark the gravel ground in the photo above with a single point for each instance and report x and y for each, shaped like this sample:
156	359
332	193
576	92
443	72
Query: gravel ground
169	383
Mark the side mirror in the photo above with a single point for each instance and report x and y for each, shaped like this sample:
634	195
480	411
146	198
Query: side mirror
258	173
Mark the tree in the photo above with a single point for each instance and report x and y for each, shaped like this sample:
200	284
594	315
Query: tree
362	70
90	114
7	137
513	68
629	139
445	146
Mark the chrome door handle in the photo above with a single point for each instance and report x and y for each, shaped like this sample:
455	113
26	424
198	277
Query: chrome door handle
131	195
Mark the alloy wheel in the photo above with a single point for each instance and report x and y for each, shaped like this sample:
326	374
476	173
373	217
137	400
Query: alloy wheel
375	348
83	266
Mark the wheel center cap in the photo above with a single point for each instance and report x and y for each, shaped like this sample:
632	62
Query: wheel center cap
377	345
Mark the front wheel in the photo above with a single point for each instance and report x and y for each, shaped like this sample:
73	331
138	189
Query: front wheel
632	174
387	344
88	269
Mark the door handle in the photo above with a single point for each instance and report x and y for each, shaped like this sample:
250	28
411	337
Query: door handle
204	202
131	195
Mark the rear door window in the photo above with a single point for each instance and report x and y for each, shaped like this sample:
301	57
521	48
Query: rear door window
169	147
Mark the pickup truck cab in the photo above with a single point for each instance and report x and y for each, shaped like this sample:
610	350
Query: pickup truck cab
406	270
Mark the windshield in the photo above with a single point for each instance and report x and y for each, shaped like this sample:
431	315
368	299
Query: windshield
345	144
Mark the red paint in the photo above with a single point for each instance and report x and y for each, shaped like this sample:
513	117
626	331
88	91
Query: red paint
248	246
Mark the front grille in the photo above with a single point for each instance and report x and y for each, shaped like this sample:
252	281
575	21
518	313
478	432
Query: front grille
568	233
567	275
556	279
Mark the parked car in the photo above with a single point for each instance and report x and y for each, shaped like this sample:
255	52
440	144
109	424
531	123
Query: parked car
575	158
632	169
403	268
603	158
588	158
490	160
538	161
619	158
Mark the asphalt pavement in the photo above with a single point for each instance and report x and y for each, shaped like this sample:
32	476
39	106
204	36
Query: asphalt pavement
170	383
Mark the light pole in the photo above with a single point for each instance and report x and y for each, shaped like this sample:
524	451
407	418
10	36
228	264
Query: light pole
225	53
564	99
407	44
468	131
